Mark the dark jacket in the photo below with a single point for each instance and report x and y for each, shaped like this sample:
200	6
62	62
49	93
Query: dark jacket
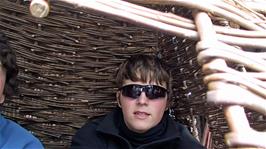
103	133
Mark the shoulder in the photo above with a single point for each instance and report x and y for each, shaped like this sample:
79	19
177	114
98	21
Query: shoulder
182	128
15	135
83	137
187	140
97	133
89	127
106	123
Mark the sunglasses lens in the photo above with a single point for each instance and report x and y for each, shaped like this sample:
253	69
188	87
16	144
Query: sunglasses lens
132	91
151	91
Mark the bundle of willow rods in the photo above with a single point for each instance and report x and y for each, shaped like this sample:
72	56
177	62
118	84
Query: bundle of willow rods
231	88
253	33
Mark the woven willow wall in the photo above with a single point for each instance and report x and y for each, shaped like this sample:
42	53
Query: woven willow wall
67	63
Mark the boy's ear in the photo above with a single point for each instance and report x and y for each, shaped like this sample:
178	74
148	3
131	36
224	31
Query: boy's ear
167	107
2	99
118	98
169	104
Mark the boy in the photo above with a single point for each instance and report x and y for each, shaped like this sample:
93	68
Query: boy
141	119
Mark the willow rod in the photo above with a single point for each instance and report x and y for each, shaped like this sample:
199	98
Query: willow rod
208	6
171	23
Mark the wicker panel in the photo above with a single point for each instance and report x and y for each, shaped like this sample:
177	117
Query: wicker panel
67	62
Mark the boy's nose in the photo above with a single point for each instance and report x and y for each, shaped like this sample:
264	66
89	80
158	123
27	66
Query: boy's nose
143	99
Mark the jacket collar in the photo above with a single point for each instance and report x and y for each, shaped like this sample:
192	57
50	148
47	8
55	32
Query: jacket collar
109	125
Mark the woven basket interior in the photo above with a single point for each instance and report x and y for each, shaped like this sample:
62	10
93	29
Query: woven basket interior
67	63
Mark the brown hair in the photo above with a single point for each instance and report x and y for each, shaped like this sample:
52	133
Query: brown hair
144	68
8	61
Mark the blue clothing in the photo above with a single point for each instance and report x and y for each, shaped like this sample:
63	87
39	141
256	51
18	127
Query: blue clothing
13	136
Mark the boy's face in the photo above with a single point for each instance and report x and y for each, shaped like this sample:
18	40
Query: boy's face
2	83
141	113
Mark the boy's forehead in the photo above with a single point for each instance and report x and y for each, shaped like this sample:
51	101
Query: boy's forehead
149	82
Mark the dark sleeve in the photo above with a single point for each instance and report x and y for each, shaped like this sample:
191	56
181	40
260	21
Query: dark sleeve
87	137
189	141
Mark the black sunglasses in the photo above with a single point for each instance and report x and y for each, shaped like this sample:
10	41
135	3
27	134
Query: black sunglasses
151	91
